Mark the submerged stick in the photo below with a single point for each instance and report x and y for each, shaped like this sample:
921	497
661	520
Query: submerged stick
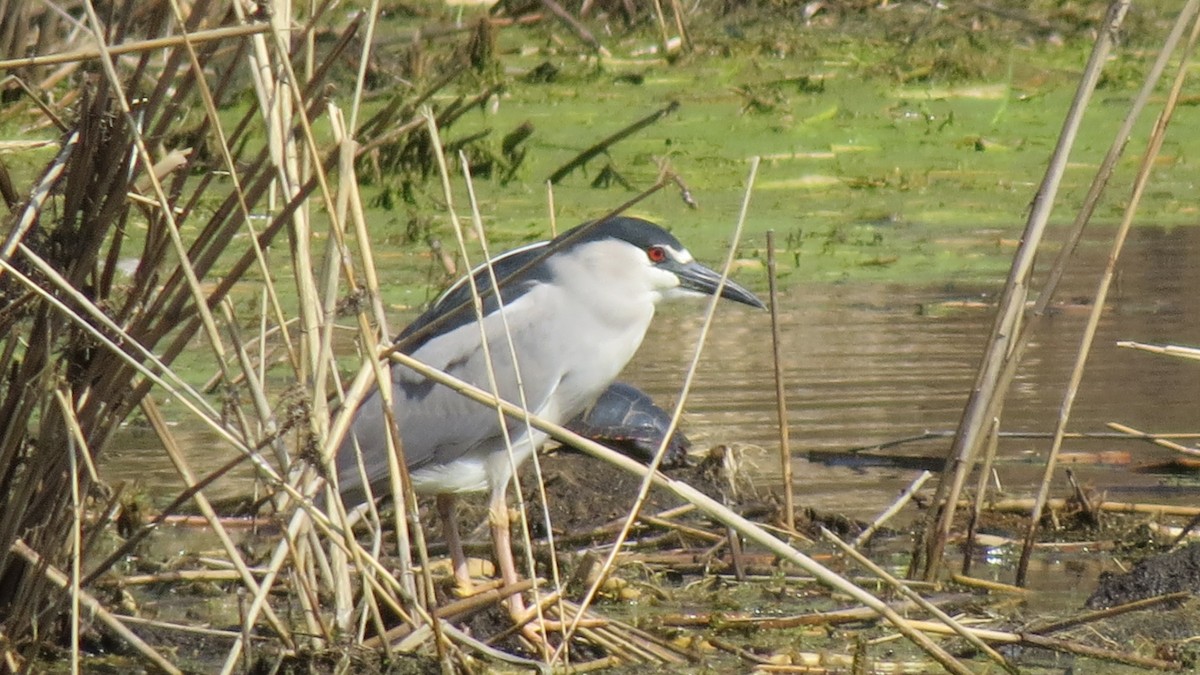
987	584
1168	350
1074	435
1034	640
785	449
725	646
1110	612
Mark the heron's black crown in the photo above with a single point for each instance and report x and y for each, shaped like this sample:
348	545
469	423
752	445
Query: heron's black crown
640	233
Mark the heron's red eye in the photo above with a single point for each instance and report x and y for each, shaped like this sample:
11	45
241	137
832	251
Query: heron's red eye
657	254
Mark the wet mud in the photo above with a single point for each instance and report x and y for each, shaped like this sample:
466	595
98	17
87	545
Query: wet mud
1157	575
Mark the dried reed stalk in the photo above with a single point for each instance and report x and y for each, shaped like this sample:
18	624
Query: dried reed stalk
105	349
785	448
137	46
991	381
1102	287
905	497
1025	506
1161	440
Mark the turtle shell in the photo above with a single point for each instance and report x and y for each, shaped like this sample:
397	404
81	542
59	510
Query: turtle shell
627	419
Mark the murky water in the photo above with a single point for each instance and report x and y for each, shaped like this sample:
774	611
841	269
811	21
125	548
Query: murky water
867	363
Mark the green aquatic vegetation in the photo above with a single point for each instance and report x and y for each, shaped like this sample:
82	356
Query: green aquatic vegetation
900	123
957	154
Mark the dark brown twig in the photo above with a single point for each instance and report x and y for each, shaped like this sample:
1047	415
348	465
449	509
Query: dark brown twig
583	157
1108	613
577	28
981	486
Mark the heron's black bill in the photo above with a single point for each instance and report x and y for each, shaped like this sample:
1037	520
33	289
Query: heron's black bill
700	279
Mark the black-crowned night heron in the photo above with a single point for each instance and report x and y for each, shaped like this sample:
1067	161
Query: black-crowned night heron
575	317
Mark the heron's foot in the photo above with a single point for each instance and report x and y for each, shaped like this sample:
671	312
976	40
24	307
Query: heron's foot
535	629
462	580
537	632
536	639
529	618
525	619
463	588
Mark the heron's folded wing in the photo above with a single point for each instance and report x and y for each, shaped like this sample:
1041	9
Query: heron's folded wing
452	308
438	425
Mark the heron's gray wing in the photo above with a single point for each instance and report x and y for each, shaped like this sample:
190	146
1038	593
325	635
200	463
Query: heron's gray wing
453	309
439	426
